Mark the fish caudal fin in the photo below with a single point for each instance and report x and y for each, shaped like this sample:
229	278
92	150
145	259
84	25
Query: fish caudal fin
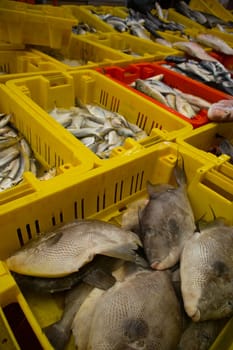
57	336
99	279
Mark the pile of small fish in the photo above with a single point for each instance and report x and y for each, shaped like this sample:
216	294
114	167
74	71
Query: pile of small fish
206	19
222	145
187	104
97	128
129	293
16	156
83	28
136	23
211	73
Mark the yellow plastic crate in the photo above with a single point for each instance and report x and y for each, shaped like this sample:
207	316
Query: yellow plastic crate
212	6
4	45
21	24
103	194
90	52
202	140
50	148
142	50
22	61
93	87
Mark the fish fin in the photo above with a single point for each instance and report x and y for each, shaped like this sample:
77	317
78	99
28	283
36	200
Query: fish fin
170	260
124	252
56	335
99	279
179	171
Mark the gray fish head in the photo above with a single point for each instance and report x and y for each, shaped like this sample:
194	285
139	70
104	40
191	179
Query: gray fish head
215	305
216	299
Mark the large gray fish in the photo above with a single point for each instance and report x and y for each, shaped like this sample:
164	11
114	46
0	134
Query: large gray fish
59	332
200	335
166	222
66	249
134	314
206	269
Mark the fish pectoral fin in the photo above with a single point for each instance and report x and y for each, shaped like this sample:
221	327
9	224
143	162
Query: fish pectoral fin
99	279
125	252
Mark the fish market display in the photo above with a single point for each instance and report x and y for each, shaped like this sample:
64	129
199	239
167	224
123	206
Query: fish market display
221	111
212	73
66	249
83	28
200	335
221	145
166	222
144	25
215	42
129	316
16	156
194	50
97	128
206	269
206	19
186	104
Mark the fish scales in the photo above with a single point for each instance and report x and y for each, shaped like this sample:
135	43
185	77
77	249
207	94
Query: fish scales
163	236
207	273
68	248
129	316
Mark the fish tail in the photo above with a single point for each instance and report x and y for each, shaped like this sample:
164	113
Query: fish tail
57	335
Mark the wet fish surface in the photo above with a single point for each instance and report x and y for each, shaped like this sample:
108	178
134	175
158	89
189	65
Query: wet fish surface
166	222
128	316
69	247
97	128
206	269
16	156
221	111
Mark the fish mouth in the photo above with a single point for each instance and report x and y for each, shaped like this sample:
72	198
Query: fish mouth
155	265
196	316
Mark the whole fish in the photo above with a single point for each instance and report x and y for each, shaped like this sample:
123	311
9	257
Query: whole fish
206	269
193	49
221	111
200	335
149	90
97	273
97	128
166	222
134	314
66	249
183	107
215	42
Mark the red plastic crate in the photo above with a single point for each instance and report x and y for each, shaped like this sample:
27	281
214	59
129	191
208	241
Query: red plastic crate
128	74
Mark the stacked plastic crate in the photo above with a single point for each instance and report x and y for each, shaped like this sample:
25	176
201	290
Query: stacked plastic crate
86	186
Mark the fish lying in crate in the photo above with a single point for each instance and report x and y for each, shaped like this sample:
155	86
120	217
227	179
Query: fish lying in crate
123	313
98	128
186	104
211	73
16	156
